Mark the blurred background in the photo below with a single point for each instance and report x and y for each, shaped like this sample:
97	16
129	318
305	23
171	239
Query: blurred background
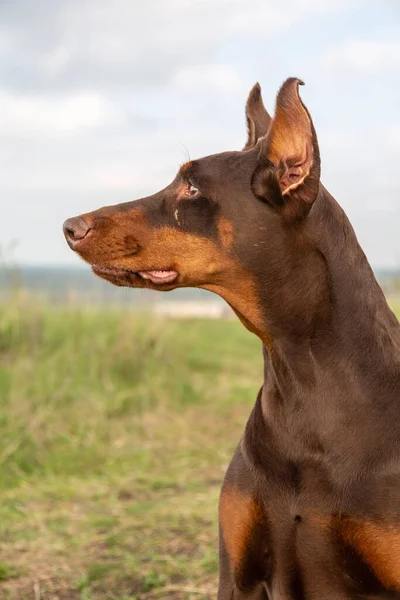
120	409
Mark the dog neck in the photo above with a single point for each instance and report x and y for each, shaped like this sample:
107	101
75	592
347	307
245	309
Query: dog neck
332	359
326	315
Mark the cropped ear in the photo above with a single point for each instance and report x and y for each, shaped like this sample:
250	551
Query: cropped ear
289	170
258	120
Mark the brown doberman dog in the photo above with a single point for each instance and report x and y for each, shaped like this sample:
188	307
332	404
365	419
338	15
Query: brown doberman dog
310	505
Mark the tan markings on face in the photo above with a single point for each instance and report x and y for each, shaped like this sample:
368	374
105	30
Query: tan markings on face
185	167
200	261
243	300
176	216
196	258
238	515
254	323
225	231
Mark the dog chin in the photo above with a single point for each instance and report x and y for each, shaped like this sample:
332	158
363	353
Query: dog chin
126	278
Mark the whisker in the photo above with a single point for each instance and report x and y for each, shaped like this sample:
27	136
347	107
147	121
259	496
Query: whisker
187	154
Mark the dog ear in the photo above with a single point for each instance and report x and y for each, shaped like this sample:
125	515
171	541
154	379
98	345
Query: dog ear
258	120
289	170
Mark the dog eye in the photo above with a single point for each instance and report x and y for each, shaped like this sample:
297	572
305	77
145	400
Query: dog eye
192	189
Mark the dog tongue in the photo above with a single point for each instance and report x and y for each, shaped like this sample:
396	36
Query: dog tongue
158	275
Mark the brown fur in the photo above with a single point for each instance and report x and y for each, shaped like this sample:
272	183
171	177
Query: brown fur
310	505
378	544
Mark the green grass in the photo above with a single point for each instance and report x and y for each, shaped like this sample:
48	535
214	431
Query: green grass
115	431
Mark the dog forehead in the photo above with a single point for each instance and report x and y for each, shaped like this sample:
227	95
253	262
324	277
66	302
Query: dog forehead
216	165
224	170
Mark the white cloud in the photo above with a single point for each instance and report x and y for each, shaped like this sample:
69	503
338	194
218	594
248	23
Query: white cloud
108	176
384	179
220	77
392	137
95	43
99	99
52	117
274	17
337	139
366	57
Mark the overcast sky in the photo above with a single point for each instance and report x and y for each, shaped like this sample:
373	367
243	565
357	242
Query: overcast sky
101	100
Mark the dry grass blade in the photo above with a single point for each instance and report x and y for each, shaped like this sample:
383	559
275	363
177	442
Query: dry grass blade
36	591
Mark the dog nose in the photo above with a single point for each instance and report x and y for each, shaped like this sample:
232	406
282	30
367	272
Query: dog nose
75	229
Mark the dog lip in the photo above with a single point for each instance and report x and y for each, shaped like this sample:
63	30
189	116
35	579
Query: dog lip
115	272
155	276
111	268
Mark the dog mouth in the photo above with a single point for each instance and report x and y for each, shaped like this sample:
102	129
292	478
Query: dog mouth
159	276
122	276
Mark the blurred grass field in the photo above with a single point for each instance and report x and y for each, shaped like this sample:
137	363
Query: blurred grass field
115	432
